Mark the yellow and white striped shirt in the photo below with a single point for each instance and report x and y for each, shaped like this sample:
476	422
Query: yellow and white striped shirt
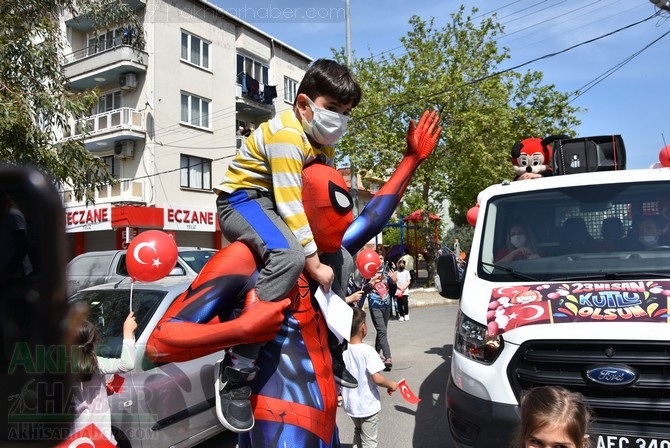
272	160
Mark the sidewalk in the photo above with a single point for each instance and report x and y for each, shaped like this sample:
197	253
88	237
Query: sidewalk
427	297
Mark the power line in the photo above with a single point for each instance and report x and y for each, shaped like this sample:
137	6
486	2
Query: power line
513	68
591	84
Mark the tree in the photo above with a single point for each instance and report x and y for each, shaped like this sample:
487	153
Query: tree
35	102
483	111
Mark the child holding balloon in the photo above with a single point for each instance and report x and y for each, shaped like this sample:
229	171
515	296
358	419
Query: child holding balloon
90	395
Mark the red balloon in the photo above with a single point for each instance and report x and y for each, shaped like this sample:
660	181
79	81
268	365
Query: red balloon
368	263
664	156
471	216
151	256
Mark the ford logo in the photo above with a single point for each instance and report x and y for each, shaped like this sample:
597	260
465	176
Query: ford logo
612	374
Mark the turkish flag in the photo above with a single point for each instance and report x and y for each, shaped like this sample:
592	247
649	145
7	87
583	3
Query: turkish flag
116	385
89	437
407	393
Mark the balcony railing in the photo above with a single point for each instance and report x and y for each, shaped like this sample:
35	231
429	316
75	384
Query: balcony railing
84	68
124	118
126	190
92	50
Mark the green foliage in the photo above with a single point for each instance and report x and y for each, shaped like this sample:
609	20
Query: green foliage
35	102
483	110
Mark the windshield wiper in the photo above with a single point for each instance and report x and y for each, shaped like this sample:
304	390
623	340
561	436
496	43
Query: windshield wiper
511	271
611	276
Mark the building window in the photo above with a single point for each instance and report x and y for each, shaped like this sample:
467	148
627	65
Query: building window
112	165
104	41
107	102
196	172
195	111
290	89
255	69
194	50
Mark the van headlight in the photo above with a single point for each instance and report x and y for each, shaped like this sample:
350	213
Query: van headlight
473	341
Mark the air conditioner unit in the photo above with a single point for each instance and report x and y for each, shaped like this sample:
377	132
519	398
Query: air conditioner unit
124	149
128	81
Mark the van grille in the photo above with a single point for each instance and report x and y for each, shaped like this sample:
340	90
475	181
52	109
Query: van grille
563	363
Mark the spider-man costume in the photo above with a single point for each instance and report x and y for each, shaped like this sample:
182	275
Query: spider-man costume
294	396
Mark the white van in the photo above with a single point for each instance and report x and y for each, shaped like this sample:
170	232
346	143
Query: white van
587	311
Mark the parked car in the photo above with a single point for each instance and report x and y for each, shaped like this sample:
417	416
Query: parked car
95	268
158	405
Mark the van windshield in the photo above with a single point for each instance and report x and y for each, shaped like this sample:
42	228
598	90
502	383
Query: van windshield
616	231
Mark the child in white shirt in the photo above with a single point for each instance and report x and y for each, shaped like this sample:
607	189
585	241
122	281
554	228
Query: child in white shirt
363	403
91	404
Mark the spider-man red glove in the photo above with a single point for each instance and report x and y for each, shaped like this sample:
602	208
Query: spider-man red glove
421	139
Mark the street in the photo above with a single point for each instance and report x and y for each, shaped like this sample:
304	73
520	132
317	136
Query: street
421	351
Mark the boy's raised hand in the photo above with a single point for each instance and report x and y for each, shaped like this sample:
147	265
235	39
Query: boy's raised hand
421	139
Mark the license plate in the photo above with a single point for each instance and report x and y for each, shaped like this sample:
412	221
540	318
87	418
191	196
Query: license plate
612	441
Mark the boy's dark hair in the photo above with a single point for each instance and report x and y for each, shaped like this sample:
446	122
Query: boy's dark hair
357	321
328	77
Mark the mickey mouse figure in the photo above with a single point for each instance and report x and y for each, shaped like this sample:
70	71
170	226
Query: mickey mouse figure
531	157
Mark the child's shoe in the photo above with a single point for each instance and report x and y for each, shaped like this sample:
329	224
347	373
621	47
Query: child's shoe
388	364
342	376
233	392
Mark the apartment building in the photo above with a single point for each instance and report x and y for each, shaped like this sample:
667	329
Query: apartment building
170	118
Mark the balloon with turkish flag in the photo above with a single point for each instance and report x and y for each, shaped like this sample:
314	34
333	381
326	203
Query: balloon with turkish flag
151	256
368	263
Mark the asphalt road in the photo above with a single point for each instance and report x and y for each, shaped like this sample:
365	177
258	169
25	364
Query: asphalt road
421	351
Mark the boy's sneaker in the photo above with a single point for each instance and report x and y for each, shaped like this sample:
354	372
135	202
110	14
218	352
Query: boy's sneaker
342	376
233	393
401	318
407	317
388	363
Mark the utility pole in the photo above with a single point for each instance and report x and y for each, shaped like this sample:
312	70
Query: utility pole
352	170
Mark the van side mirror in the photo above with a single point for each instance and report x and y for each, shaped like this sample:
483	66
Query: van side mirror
450	281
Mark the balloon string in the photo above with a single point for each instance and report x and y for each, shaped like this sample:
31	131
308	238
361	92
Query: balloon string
132	283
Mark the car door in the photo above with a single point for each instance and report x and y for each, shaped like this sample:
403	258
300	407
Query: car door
176	400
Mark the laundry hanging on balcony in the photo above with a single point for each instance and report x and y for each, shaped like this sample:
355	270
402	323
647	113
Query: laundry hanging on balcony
269	93
256	91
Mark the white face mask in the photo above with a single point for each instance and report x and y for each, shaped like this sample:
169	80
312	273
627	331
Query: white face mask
518	240
326	126
649	240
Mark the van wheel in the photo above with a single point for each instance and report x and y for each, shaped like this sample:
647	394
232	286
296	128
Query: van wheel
121	439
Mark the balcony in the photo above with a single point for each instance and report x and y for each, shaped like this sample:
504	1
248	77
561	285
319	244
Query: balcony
91	66
102	130
125	191
251	107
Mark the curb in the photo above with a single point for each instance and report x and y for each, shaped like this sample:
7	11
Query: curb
420	297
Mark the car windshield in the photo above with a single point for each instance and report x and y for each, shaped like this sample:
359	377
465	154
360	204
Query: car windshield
616	231
108	309
196	259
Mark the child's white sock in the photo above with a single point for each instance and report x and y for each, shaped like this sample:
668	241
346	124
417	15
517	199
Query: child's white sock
242	362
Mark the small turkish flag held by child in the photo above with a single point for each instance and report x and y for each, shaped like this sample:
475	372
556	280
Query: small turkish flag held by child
116	385
406	392
89	437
